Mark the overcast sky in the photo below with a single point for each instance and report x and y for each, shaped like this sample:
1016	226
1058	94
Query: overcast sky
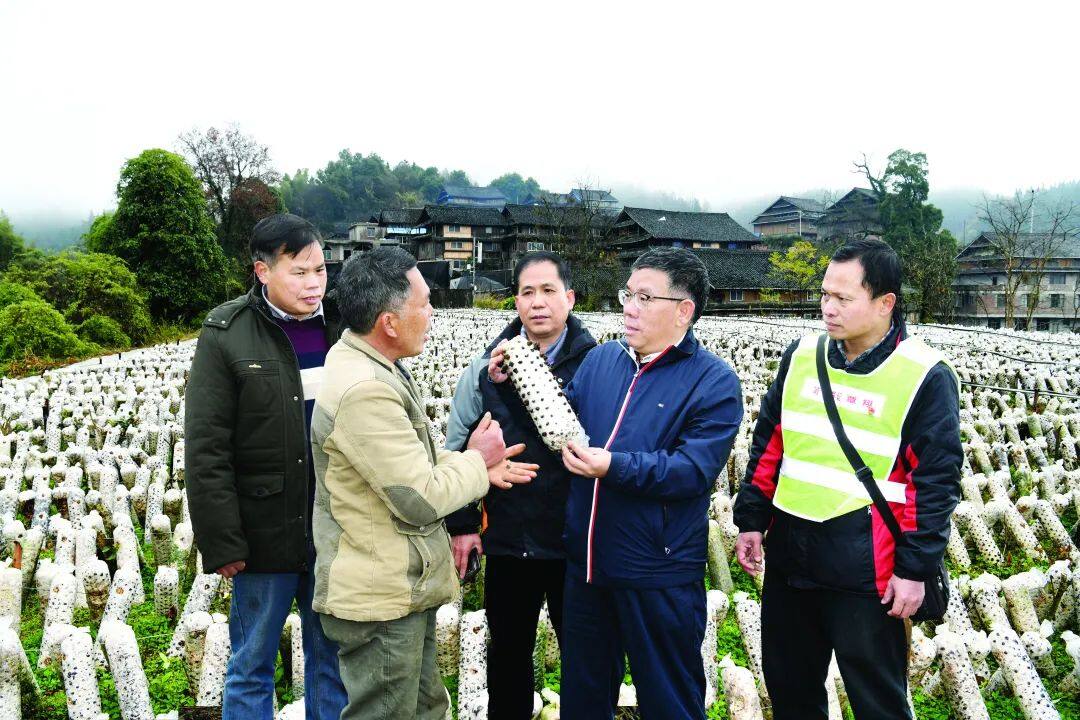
720	101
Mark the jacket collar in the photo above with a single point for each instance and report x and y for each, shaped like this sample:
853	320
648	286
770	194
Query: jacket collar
356	342
686	348
578	339
280	314
871	359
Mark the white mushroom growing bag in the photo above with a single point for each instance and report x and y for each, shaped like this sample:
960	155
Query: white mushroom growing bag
541	394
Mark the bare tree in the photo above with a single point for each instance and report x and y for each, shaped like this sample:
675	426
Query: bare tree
225	161
1019	253
578	232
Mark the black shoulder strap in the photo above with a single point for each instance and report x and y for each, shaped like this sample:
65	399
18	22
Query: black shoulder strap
865	475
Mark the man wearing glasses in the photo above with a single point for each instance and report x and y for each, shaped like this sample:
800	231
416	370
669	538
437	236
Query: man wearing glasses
664	412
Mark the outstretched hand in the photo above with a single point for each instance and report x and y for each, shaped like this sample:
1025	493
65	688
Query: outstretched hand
508	473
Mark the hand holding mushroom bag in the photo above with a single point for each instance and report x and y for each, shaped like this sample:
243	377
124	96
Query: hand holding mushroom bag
666	411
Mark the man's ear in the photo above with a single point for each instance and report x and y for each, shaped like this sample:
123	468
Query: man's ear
572	298
685	314
387	322
888	302
262	271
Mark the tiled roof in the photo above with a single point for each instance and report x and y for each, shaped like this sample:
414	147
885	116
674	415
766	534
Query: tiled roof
742	270
691	226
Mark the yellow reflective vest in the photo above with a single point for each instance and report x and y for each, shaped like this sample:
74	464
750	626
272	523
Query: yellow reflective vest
816	481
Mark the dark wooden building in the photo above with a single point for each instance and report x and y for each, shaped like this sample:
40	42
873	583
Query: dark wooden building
856	215
638	229
790	216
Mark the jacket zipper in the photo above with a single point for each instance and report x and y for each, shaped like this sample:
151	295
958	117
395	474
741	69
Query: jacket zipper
296	365
610	440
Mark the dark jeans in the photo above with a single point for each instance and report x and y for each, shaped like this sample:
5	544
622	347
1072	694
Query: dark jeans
514	591
260	605
800	630
389	668
660	631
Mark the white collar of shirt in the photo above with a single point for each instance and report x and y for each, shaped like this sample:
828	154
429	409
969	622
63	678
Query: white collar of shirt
281	314
646	359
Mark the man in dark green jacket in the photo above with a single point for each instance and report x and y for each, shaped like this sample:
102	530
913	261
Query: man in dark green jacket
250	478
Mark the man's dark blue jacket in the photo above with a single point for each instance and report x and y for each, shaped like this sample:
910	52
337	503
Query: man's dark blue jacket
671	424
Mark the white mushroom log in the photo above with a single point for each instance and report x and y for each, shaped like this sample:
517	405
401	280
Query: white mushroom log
541	394
125	663
959	677
1021	675
447	639
215	662
472	675
739	690
80	676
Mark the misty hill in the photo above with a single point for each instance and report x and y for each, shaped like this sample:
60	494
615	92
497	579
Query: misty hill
50	233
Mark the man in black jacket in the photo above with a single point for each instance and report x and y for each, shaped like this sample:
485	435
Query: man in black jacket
521	527
835	579
250	479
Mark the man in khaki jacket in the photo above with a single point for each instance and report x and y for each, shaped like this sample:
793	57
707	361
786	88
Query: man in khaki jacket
383	563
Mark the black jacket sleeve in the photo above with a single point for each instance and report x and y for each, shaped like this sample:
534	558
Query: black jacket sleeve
467	520
934	457
209	423
753	510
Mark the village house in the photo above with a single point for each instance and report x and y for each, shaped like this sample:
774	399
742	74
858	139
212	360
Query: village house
788	217
742	279
637	229
458	233
1047	272
855	215
471	196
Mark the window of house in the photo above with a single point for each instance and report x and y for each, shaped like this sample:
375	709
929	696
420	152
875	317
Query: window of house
457	245
535	246
1056	278
1043	325
1029	300
735	296
455	228
487	230
994	323
994	280
1001	300
1055	301
326	253
346	254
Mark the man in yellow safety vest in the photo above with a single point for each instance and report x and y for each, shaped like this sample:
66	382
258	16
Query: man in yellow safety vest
837	582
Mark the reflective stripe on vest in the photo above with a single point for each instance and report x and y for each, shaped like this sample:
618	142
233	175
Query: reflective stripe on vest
816	481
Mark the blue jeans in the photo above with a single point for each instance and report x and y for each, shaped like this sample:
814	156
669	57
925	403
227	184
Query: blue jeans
260	605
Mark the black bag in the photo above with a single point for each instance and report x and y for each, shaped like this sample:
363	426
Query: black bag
936	599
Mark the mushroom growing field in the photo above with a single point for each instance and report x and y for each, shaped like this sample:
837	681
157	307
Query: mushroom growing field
105	613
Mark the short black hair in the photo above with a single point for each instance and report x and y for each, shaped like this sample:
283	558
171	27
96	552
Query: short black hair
686	273
371	283
882	273
538	256
285	233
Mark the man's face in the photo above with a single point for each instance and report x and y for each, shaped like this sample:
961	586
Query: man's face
847	307
543	302
414	319
295	284
661	322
